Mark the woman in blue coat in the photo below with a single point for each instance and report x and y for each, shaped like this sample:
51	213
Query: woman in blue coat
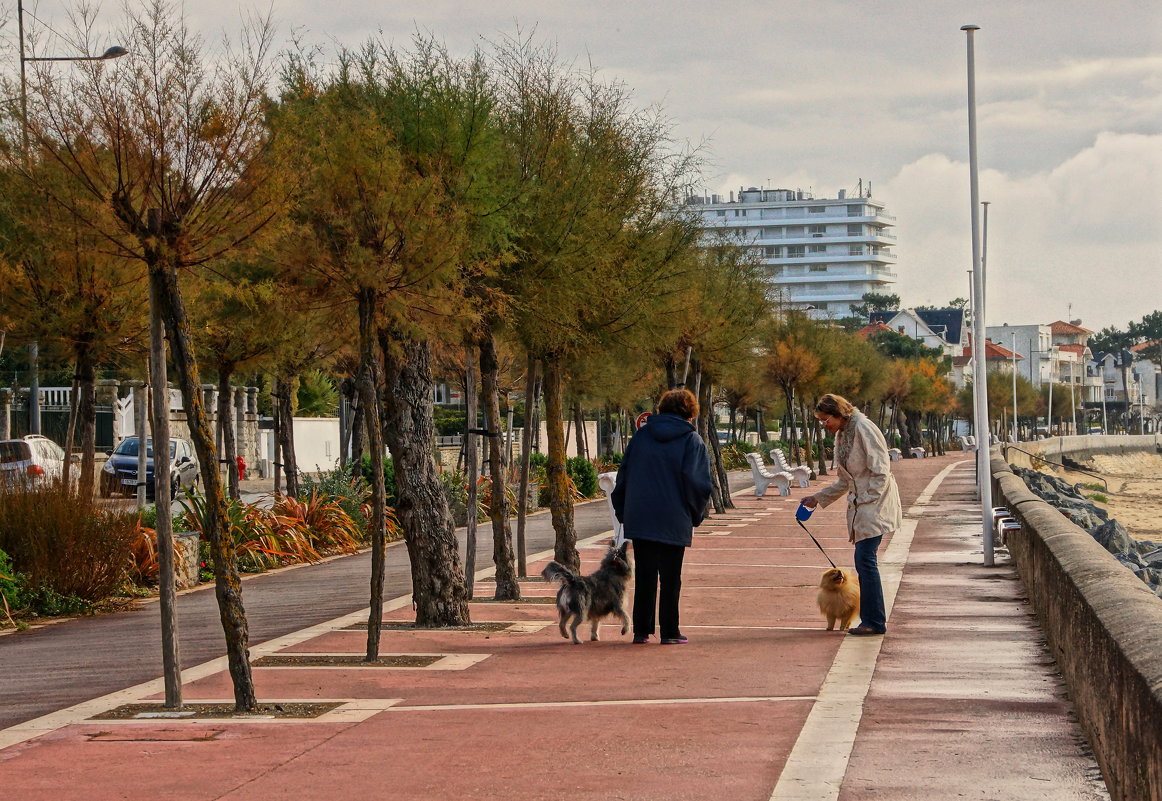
663	485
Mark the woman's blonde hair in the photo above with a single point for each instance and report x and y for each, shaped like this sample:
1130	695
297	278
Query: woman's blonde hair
836	406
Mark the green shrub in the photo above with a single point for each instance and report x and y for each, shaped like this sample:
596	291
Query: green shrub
1092	485
584	475
11	585
70	550
342	485
388	477
1099	497
616	458
734	455
456	492
449	422
538	460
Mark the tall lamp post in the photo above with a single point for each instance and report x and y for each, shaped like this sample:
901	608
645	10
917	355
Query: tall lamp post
1052	378
1016	434
116	51
979	378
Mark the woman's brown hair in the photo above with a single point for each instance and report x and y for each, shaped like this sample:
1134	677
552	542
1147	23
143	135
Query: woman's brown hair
836	406
680	402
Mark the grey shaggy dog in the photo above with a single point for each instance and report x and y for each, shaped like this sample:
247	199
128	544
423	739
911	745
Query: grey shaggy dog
594	596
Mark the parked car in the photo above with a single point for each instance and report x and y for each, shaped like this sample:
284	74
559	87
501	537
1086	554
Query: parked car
30	461
119	474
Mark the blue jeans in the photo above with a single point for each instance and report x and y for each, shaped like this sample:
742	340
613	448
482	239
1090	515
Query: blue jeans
871	592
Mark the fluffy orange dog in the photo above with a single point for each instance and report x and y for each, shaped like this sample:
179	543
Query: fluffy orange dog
838	597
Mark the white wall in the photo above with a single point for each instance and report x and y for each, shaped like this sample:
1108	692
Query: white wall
316	445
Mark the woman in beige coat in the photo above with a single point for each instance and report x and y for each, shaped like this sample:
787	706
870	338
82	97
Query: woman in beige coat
873	502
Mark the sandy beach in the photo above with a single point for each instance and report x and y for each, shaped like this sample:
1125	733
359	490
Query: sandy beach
1135	490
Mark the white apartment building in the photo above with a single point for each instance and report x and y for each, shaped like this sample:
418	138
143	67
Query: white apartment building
823	254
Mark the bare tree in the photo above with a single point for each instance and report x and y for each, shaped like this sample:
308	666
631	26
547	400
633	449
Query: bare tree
172	140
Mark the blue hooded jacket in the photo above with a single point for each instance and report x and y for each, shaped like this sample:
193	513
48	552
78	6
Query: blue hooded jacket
663	482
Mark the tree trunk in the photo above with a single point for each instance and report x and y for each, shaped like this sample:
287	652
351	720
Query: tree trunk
522	568
438	588
762	426
579	423
227	586
285	388
357	431
720	465
560	501
229	441
471	468
167	584
705	427
796	452
507	588
276	431
367	388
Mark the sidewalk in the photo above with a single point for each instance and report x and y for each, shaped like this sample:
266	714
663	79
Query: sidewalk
959	700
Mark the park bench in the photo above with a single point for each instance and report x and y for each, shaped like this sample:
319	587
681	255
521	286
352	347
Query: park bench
764	477
801	473
895	454
918	453
968	443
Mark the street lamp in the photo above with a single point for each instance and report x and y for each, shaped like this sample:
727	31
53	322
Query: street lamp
1016	436
116	51
1052	377
979	378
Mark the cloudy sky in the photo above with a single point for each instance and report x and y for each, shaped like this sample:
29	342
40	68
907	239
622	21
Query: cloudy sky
819	95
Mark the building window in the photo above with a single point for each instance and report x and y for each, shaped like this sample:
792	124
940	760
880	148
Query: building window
855	211
817	230
740	212
816	209
818	249
773	250
795	252
818	268
855	230
721	212
855	250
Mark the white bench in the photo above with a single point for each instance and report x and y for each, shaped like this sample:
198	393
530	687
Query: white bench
968	443
607	481
764	478
801	473
895	454
918	453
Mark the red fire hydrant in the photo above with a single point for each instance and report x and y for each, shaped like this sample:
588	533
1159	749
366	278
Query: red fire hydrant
241	468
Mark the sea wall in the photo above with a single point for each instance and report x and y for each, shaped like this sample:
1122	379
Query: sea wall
1103	625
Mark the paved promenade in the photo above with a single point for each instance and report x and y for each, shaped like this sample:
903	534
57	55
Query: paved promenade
959	700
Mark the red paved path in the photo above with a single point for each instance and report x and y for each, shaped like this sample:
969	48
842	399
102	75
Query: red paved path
964	701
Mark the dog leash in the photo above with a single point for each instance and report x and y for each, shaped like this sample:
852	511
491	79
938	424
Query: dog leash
805	512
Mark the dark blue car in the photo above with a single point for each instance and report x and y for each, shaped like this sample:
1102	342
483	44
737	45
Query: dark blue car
119	475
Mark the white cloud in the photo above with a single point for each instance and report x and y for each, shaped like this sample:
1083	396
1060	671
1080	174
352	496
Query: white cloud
1084	234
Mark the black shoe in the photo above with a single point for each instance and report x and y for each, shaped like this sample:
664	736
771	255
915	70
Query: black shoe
638	639
863	630
679	640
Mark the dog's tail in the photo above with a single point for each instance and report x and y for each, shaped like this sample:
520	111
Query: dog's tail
555	571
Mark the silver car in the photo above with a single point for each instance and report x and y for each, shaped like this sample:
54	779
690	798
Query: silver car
30	461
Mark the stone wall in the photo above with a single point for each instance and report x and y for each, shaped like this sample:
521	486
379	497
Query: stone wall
1104	627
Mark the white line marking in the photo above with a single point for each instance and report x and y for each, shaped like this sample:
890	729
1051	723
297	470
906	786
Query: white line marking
818	762
78	713
626	702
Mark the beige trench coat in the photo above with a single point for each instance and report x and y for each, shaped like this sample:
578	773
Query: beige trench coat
865	475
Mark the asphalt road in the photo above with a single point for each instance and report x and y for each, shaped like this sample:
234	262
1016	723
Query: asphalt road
56	666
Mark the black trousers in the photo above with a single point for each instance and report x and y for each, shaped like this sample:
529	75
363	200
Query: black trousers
654	563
